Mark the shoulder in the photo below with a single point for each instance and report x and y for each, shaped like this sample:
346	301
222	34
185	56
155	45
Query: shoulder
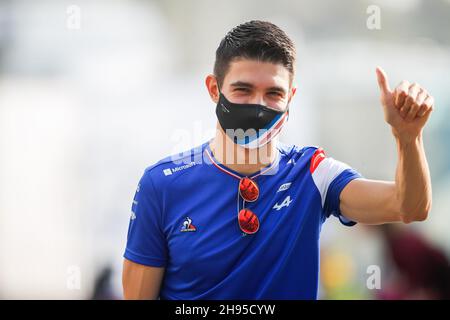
306	153
173	165
314	156
293	150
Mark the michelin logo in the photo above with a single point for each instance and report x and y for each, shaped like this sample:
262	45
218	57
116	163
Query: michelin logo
169	171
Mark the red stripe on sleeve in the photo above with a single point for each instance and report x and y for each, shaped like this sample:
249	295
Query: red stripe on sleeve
317	157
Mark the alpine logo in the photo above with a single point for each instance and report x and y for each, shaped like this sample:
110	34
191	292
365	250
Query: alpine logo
285	203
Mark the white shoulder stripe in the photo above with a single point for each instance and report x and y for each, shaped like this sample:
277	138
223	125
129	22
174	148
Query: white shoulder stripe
327	170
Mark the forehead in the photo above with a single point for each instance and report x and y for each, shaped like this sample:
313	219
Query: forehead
258	73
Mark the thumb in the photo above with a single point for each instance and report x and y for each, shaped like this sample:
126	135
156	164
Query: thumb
383	82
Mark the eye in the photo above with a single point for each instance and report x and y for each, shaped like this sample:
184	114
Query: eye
242	89
275	94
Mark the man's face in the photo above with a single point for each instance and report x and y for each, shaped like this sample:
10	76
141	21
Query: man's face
257	82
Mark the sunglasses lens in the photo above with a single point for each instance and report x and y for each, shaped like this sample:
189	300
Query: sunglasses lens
248	189
248	221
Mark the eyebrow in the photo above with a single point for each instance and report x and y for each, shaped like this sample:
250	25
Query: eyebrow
249	85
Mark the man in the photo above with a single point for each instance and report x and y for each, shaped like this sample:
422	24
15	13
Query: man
239	217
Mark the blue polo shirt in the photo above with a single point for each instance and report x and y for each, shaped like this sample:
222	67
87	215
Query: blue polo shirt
184	218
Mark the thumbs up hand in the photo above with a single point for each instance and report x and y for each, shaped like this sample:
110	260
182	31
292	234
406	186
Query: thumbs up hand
406	108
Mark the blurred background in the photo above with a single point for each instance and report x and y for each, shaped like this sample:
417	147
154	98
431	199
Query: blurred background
94	91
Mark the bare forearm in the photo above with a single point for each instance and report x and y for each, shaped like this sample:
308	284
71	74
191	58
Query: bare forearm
413	182
141	282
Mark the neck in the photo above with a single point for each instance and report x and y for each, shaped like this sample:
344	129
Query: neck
240	159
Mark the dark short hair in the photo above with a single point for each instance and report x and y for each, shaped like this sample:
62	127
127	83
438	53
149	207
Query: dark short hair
258	40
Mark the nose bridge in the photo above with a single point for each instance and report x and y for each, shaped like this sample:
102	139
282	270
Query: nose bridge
258	97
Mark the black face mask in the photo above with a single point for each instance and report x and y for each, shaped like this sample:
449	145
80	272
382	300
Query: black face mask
249	125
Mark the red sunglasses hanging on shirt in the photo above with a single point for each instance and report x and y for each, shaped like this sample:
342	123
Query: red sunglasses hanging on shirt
249	191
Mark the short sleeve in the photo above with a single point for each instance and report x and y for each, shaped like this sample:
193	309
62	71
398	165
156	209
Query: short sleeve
330	177
332	202
146	243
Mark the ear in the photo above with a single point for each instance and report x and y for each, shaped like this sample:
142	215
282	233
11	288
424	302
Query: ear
212	87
